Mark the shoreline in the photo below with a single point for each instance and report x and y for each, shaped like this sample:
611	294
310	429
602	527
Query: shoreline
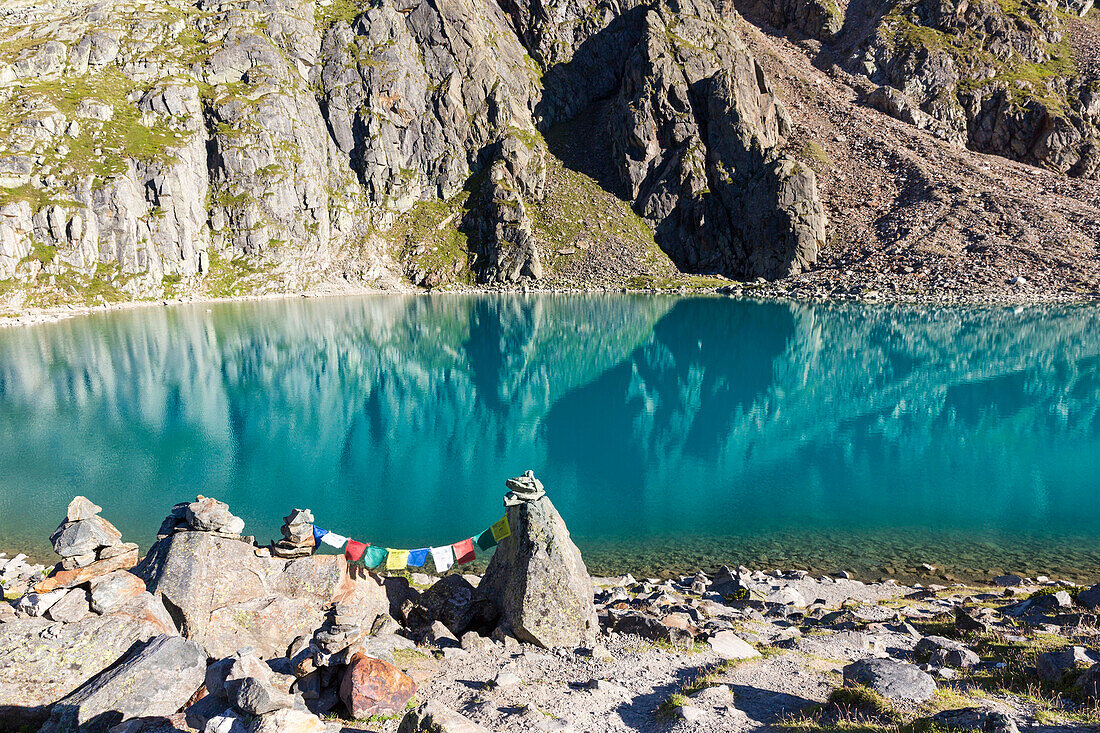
766	293
212	628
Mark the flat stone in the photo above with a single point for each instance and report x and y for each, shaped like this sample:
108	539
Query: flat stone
210	515
433	717
941	651
37	604
898	681
1008	581
70	578
288	721
111	591
72	607
729	645
248	685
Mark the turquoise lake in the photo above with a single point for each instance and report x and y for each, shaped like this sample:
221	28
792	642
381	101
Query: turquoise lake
672	433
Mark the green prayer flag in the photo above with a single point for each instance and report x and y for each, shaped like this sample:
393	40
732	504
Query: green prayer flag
373	556
485	540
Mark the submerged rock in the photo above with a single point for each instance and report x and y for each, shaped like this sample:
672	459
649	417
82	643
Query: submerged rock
538	581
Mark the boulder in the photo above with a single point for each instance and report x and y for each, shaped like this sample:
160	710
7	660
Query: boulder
154	678
1090	598
112	591
288	721
73	606
77	576
895	680
84	536
248	685
38	604
967	622
538	582
433	717
225	597
449	600
1089	682
729	645
647	627
943	652
374	687
1052	666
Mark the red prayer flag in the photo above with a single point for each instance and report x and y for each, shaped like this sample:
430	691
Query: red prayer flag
464	551
354	550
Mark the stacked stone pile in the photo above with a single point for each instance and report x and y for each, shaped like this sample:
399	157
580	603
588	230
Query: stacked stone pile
17	576
89	547
298	538
204	514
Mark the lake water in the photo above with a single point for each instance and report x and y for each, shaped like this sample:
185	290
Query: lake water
672	433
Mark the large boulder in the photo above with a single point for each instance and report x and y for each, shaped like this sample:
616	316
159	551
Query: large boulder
944	652
153	678
374	687
225	596
1090	598
1052	666
449	600
897	681
433	717
538	581
44	661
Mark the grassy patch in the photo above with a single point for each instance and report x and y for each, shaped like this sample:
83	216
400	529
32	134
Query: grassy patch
709	677
428	239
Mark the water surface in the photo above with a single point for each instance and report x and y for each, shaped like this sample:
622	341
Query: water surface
672	433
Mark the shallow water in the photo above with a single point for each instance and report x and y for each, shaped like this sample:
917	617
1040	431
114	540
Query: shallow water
672	433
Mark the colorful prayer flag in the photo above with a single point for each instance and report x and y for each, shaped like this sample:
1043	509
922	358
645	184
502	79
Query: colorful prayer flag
396	559
485	540
501	529
464	551
318	533
354	550
374	556
334	540
443	557
417	557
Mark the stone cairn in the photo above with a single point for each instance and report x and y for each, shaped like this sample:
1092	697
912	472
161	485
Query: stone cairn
298	538
89	547
204	514
85	538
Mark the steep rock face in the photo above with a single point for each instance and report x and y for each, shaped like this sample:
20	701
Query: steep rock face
694	128
820	19
416	91
999	79
145	145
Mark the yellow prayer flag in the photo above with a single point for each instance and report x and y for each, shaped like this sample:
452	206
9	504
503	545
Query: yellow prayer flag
396	559
501	529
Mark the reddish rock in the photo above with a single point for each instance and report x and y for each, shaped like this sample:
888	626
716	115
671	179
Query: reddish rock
70	578
373	687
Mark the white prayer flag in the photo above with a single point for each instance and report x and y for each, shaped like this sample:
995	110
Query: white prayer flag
443	557
334	540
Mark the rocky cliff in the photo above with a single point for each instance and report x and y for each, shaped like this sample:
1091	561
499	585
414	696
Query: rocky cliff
152	146
164	149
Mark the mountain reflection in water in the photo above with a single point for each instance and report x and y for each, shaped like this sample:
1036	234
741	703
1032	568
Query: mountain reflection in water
671	432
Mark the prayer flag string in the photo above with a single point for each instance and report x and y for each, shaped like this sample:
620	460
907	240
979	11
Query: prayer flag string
444	557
